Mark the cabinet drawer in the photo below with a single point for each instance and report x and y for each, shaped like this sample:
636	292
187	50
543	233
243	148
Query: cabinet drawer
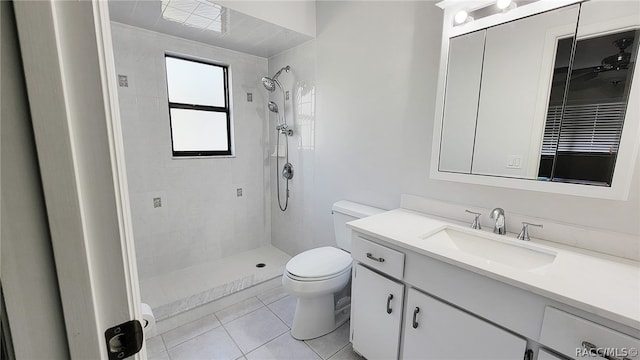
378	257
566	334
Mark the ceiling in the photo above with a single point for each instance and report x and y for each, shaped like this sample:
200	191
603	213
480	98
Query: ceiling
207	22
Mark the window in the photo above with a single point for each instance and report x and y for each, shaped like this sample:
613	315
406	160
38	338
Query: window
198	107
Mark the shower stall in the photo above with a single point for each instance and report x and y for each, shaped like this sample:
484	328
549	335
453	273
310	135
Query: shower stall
201	223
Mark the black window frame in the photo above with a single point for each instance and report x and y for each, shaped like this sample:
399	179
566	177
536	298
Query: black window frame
197	107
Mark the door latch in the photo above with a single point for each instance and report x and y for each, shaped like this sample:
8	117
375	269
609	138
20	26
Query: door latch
124	340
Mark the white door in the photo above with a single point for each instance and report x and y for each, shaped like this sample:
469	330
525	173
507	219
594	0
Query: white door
435	330
70	78
376	314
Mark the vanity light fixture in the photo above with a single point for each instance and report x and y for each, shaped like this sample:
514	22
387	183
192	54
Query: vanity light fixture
505	5
461	17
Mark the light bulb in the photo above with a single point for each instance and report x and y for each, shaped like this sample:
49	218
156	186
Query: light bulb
460	17
503	4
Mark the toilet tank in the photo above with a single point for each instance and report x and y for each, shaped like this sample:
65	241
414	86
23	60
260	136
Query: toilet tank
344	211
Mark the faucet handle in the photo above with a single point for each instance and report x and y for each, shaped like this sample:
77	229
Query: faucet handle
524	233
476	222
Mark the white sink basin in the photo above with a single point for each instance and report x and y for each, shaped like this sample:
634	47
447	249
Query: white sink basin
484	248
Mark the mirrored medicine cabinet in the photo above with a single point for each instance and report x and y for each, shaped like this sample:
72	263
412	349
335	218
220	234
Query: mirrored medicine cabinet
543	101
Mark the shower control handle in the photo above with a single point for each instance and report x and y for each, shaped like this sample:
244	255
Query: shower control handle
370	256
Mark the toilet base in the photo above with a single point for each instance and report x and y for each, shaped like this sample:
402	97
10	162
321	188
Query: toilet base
315	316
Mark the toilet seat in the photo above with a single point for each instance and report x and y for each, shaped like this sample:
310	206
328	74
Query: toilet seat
319	264
307	279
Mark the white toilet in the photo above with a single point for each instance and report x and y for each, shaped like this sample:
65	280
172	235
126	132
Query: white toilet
319	277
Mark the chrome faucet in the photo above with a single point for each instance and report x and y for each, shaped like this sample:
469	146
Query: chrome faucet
476	221
524	233
498	215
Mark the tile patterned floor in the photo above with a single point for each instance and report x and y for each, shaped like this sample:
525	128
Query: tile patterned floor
255	329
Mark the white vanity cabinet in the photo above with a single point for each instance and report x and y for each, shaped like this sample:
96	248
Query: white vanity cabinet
452	312
376	314
436	330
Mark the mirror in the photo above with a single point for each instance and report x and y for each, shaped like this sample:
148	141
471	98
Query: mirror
586	115
460	108
526	100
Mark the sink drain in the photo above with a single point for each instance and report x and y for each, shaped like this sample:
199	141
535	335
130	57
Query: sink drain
261	265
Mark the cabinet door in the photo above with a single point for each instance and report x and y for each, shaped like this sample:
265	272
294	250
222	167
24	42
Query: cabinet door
376	314
435	330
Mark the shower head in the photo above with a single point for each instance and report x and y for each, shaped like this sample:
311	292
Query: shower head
270	83
273	107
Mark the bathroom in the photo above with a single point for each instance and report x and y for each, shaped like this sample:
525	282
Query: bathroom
364	82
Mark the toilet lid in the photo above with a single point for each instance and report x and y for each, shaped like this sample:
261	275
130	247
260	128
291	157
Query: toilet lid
319	262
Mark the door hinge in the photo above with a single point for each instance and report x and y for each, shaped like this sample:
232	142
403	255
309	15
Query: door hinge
124	340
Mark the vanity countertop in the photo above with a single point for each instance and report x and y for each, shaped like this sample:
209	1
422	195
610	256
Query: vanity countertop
604	285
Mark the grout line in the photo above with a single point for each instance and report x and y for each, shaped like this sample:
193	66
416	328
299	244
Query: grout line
234	341
191	338
342	348
272	340
279	318
309	346
240	317
164	343
285	294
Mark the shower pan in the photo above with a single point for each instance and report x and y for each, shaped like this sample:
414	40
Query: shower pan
282	128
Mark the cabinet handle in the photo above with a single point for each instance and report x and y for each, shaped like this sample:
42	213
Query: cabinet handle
594	349
370	256
415	314
389	298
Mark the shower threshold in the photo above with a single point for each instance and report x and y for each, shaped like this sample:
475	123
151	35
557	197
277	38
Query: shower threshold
185	289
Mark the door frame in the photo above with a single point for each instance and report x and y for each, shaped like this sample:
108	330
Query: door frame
71	84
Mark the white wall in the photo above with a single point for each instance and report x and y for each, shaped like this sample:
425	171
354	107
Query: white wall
201	218
376	72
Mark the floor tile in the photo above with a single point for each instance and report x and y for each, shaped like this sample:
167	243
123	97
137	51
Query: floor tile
329	344
189	331
272	295
215	344
159	356
346	353
283	348
155	345
255	329
285	309
240	309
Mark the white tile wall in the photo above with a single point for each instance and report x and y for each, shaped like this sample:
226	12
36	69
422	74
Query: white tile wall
292	230
201	218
